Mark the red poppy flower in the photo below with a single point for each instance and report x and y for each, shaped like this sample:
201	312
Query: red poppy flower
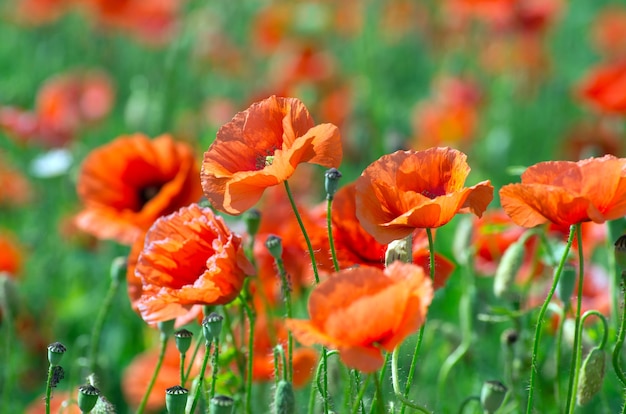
604	88
189	258
566	192
358	311
416	189
15	189
261	147
10	255
355	246
129	183
609	31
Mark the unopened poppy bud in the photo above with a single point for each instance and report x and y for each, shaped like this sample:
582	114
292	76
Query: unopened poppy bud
591	376
166	327
401	250
212	326
620	252
275	246
221	404
183	340
252	219
492	395
118	269
284	398
508	268
565	287
176	399
331	183
55	353
87	397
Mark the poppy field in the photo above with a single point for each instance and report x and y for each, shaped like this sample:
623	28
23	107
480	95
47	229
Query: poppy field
281	207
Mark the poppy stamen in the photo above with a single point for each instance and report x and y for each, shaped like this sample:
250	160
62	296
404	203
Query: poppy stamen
147	193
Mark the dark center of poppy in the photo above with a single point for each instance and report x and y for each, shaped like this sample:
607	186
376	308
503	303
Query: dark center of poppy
433	192
263	160
147	193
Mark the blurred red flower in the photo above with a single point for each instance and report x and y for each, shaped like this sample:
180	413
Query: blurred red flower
127	184
261	147
11	256
189	258
567	193
15	189
604	88
609	31
361	310
61	402
416	189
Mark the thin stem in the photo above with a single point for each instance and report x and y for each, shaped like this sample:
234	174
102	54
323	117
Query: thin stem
155	374
205	360
407	387
542	313
359	397
378	381
182	369
576	350
214	365
251	322
99	323
7	320
239	357
619	343
304	232
286	288
49	388
193	358
557	364
394	371
605	325
331	240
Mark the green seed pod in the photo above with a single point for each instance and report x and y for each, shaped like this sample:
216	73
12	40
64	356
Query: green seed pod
252	219
492	395
620	252
331	182
212	326
55	353
176	399
274	245
508	268
183	340
221	404
401	250
284	398
166	327
87	397
591	376
565	287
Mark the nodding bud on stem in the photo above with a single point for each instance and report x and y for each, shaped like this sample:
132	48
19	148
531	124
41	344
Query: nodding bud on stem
284	398
176	399
591	376
508	268
492	395
252	219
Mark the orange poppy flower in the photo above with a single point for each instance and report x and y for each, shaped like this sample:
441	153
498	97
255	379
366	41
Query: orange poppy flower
15	189
416	189
604	88
129	183
260	148
189	258
360	310
10	255
609	31
137	376
566	192
355	246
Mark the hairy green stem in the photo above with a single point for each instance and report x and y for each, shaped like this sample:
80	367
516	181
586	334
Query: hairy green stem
286	288
205	360
542	313
155	374
331	240
619	342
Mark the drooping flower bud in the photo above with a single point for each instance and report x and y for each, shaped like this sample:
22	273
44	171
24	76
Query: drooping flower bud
252	219
284	398
492	395
591	376
508	268
176	399
87	397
